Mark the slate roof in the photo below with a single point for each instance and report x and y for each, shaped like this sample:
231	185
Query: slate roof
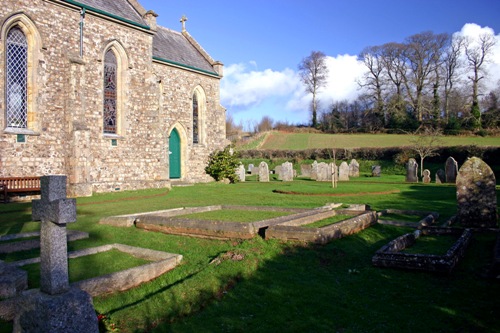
120	8
173	46
167	44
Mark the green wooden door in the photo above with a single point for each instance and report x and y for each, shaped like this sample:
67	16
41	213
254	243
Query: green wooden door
174	144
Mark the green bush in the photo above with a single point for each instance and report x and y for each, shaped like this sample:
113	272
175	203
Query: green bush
222	164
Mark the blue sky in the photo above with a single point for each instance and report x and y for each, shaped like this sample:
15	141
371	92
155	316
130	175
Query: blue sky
261	42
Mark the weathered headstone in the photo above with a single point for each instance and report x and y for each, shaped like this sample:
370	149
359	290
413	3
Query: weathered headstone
427	176
250	168
287	172
343	171
335	174
353	168
376	170
451	170
55	307
255	170
440	176
240	173
305	170
476	195
314	170
411	171
263	172
278	170
324	172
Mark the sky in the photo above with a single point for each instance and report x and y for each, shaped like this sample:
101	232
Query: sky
262	42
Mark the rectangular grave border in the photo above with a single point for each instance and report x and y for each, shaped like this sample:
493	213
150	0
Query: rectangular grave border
294	230
390	255
428	218
29	244
162	262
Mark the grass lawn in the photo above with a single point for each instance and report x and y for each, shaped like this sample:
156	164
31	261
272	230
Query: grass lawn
277	285
432	244
300	141
232	215
328	221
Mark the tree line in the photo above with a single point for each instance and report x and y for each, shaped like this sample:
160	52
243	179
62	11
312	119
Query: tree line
429	80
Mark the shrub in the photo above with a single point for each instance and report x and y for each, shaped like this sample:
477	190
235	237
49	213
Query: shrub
222	164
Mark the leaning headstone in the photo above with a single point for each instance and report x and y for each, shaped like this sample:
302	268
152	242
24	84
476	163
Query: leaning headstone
343	171
440	176
324	172
287	172
353	168
305	170
56	307
240	173
476	195
411	171
376	170
451	170
314	170
427	176
263	172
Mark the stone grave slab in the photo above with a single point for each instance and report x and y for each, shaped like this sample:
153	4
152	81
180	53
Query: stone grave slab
411	171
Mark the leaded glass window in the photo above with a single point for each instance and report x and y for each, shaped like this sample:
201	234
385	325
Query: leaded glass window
17	79
195	119
110	79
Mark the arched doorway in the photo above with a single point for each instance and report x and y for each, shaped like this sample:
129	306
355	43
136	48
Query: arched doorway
174	144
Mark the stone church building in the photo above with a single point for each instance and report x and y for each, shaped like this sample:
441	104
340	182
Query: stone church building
97	91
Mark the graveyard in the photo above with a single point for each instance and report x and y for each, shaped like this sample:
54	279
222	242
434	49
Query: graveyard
228	257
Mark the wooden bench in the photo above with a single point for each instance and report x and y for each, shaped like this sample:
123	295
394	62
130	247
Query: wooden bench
19	185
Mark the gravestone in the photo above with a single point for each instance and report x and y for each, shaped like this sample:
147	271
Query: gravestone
240	173
440	176
411	171
56	307
263	172
376	170
343	171
255	170
427	176
287	172
353	168
250	168
476	195
324	172
451	170
335	175
278	170
314	170
305	170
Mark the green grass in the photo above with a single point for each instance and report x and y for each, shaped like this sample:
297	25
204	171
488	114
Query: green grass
301	141
78	268
401	217
328	221
278	285
232	215
432	244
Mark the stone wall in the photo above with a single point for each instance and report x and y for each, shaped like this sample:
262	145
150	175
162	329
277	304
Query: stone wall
65	126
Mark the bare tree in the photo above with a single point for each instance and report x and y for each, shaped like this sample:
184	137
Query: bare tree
422	53
451	64
477	53
373	80
314	74
265	124
425	144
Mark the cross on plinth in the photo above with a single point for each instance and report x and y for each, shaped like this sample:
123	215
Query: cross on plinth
54	210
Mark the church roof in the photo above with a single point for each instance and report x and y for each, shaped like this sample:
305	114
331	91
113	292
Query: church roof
175	47
168	45
118	8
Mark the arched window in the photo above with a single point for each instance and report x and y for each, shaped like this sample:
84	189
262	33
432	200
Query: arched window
196	128
110	93
16	69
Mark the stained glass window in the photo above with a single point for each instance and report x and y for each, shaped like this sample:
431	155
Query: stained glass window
17	79
195	119
110	78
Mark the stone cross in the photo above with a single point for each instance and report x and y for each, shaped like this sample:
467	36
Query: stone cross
183	21
54	211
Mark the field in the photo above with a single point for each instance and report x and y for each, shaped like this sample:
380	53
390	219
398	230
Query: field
276	285
300	141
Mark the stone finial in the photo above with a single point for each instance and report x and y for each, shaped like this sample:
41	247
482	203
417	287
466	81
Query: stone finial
183	22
